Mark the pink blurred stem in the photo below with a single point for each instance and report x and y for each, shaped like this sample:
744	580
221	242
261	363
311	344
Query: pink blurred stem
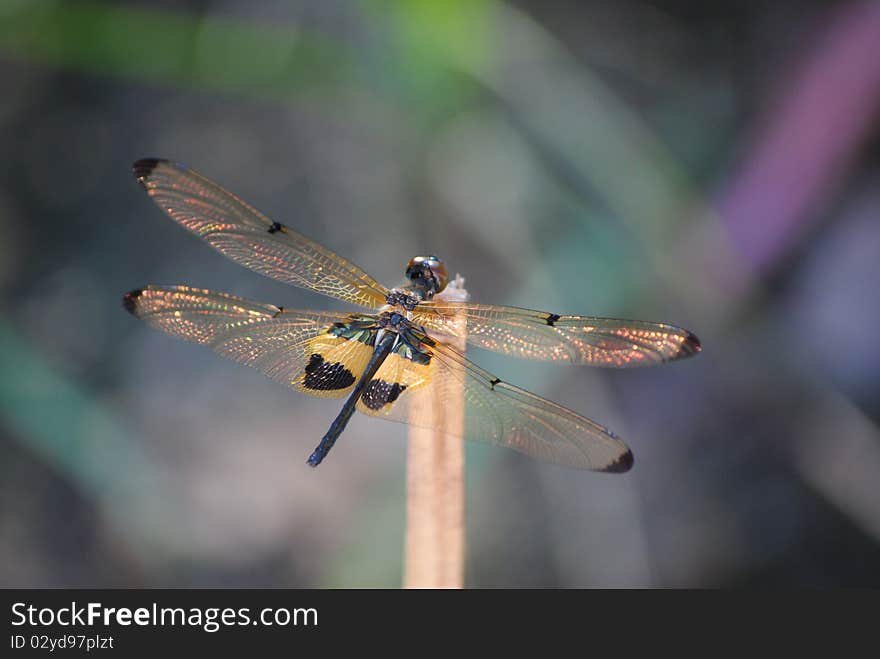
805	144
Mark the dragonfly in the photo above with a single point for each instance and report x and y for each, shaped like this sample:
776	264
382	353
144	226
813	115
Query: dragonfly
401	357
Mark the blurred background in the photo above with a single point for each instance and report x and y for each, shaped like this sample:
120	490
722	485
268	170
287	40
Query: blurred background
713	165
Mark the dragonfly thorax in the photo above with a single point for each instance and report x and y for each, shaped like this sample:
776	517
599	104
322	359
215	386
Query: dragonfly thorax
400	298
392	320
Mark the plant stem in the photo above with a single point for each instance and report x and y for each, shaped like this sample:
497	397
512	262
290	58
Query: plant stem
434	551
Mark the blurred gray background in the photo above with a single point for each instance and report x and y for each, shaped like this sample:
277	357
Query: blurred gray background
713	165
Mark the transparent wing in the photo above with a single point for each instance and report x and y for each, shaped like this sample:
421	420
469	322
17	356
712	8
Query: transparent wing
248	237
494	412
531	334
282	343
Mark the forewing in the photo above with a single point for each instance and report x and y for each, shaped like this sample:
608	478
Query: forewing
290	346
494	412
248	237
540	335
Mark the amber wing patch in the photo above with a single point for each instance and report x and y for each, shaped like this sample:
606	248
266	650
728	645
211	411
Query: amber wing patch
396	377
334	365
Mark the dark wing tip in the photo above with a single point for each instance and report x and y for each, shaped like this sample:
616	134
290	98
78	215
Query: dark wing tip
623	464
145	166
130	300
690	346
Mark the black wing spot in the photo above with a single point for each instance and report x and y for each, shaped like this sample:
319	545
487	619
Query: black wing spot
690	346
622	464
321	376
130	300
278	313
276	227
145	166
552	318
379	393
493	382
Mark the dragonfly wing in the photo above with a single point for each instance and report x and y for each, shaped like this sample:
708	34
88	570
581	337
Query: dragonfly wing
494	411
540	335
292	347
248	237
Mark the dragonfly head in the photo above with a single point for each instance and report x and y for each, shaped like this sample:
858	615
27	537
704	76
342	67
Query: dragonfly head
428	275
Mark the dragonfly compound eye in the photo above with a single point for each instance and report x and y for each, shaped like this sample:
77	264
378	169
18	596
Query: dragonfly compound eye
428	273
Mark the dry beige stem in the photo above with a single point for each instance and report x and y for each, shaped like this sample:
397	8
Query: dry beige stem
434	552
